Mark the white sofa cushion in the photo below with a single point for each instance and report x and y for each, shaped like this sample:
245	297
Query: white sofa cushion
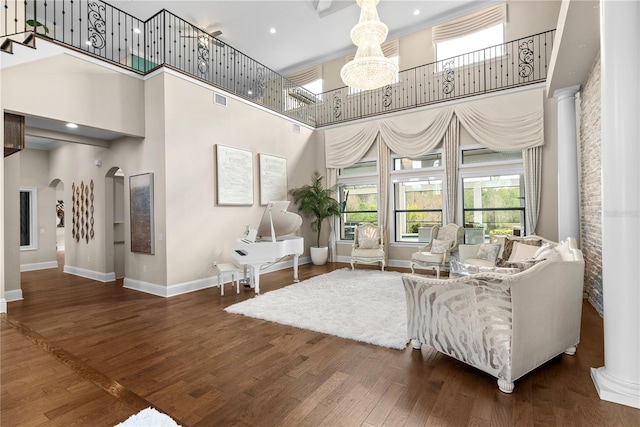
521	251
547	251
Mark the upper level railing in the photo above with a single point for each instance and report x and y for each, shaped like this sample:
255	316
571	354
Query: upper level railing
104	31
520	62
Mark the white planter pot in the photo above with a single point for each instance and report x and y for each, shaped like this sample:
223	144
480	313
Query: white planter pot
319	256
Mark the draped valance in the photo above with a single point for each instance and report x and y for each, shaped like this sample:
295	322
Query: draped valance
510	122
476	21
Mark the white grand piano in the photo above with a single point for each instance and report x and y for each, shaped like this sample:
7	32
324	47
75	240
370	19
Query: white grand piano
270	242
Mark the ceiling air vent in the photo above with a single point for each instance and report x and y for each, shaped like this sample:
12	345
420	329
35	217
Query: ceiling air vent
219	99
295	128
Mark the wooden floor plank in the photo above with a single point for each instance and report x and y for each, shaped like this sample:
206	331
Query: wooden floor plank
80	352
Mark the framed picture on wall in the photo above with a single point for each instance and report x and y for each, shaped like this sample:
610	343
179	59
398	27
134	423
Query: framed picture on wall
234	176
273	178
141	207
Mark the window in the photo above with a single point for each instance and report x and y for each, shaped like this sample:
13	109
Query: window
360	205
433	160
473	46
358	192
418	207
417	196
495	203
28	218
485	155
314	87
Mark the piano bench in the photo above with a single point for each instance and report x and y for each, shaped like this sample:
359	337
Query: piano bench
235	275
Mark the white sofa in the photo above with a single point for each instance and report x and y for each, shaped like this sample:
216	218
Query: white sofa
503	324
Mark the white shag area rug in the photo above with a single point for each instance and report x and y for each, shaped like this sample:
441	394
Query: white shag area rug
362	305
148	418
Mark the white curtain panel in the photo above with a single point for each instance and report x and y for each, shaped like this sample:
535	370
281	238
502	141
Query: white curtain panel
348	144
334	222
451	145
509	122
384	159
470	23
413	135
502	133
532	184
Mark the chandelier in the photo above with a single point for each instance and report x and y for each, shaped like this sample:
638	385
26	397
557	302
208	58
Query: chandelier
369	69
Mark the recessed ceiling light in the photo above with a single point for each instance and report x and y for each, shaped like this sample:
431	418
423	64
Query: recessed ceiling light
250	92
136	30
272	30
88	43
72	125
416	12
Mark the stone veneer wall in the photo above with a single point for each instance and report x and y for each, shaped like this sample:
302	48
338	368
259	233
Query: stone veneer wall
591	186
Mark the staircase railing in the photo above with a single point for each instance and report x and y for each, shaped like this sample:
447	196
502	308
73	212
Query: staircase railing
104	31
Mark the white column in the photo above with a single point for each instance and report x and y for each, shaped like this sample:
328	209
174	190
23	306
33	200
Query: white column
619	379
568	201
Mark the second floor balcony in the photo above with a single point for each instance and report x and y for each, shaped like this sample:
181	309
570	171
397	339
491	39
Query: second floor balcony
101	30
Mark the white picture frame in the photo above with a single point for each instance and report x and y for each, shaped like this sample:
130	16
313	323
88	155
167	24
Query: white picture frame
273	178
234	178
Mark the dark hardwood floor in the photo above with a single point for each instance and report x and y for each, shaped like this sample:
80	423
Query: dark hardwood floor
80	352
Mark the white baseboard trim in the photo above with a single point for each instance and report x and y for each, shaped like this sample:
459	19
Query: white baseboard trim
196	285
90	274
614	390
13	295
38	266
3	305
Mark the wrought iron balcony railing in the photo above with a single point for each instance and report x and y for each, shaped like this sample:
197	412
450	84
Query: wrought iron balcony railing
104	31
520	62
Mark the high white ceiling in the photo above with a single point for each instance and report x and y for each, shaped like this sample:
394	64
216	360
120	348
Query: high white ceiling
308	32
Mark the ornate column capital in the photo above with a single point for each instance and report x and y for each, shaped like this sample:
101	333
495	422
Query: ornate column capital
566	92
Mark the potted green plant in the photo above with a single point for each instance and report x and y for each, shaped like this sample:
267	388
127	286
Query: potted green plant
316	201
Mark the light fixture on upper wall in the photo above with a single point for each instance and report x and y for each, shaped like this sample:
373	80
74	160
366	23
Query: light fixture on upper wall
369	69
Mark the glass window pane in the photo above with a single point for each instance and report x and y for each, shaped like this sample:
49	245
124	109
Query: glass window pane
359	169
478	40
493	192
418	206
423	162
360	204
485	155
494	203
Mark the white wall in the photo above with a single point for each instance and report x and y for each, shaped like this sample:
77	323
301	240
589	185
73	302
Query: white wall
198	230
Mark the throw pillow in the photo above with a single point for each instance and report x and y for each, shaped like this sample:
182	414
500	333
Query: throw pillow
440	246
488	251
368	243
508	245
521	252
547	251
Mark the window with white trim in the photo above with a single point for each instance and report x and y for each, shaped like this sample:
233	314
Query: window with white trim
417	196
474	47
492	186
358	196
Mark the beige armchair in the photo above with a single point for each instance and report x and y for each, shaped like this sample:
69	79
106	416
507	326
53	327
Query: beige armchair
439	251
368	245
